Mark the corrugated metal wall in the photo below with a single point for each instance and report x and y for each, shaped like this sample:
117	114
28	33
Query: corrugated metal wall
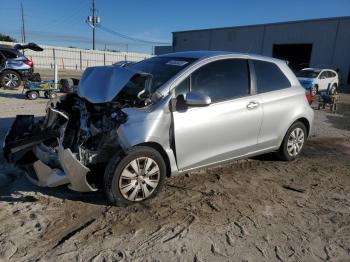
76	59
330	39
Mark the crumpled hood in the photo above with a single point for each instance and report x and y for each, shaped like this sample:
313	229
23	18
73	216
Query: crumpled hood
101	84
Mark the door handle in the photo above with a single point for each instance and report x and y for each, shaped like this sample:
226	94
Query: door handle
252	105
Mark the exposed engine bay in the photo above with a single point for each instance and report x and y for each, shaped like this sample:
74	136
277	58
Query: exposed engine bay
79	130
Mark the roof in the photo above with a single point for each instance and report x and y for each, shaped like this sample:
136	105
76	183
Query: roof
318	69
196	54
268	24
206	54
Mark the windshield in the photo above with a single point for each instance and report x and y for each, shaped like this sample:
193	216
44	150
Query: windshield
308	73
162	68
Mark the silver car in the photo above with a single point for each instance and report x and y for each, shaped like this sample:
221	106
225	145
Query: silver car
128	129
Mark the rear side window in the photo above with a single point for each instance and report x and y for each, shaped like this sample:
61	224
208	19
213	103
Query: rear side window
222	80
269	77
323	75
9	54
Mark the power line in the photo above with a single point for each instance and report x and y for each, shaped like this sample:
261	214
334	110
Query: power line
111	31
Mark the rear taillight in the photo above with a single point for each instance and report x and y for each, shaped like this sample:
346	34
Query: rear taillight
28	62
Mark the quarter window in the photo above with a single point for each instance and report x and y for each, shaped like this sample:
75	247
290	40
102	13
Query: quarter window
222	80
9	54
269	77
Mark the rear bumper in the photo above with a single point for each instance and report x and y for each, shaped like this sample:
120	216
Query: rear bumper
25	73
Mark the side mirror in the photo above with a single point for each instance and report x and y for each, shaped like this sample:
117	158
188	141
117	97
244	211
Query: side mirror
322	77
197	99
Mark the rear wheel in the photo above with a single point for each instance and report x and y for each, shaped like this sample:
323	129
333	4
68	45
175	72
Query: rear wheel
293	142
333	90
134	177
32	95
10	79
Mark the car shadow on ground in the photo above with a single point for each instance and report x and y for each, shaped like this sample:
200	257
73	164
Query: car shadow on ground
15	184
14	95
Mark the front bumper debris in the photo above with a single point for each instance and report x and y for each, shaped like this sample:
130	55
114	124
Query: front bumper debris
75	171
44	166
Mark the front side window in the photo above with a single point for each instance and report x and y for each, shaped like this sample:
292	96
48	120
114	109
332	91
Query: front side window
222	80
183	87
269	77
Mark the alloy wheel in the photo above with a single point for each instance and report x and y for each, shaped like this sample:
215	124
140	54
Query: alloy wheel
11	80
295	142
139	179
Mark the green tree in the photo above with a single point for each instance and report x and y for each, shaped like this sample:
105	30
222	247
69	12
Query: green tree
7	38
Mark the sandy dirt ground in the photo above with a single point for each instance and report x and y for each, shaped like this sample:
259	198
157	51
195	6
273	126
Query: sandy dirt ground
253	210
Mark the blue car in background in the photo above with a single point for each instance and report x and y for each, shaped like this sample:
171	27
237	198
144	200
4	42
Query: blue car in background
315	80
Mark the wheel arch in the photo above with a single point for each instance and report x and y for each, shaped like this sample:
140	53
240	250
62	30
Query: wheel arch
13	70
162	152
305	122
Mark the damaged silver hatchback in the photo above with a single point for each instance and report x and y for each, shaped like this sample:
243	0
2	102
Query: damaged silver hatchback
127	129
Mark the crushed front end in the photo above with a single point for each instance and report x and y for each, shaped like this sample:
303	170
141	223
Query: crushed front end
78	133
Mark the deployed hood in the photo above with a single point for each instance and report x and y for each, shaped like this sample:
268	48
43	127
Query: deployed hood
31	46
101	84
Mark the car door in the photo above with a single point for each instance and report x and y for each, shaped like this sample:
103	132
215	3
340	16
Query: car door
323	81
226	128
277	101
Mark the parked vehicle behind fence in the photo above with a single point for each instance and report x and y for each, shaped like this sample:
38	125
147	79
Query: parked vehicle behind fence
15	67
128	129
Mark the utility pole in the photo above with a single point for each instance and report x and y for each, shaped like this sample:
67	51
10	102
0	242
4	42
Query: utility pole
93	24
23	28
93	20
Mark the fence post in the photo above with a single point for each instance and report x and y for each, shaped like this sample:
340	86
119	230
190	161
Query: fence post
81	61
104	58
54	56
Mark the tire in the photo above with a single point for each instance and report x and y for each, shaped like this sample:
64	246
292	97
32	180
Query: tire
333	90
10	79
292	147
32	95
313	91
123	190
52	95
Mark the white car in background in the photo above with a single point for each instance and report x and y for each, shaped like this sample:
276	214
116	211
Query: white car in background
317	80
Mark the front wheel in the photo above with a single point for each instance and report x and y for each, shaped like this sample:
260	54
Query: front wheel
293	142
135	176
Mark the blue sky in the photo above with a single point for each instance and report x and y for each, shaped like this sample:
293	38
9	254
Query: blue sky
63	22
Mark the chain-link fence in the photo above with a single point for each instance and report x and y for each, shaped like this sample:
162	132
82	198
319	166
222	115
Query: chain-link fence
77	59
